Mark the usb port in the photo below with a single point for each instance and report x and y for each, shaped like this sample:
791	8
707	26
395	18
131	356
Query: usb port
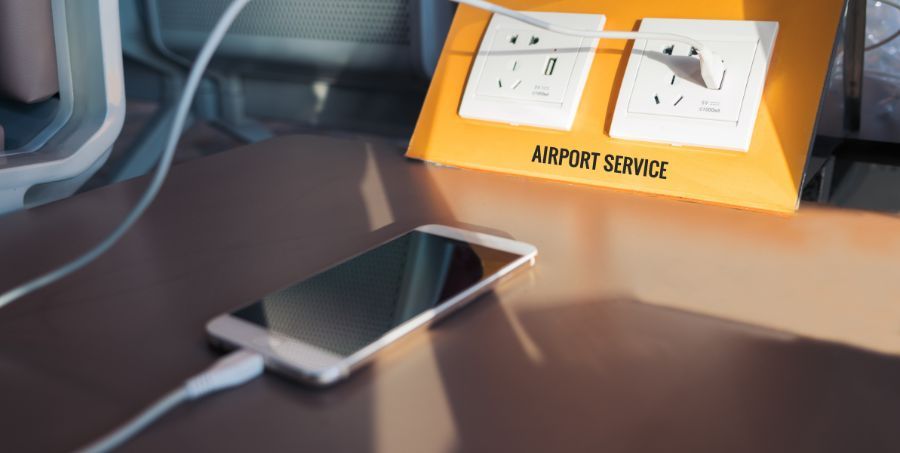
551	65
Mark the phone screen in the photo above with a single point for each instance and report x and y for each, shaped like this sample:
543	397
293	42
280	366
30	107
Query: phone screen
349	306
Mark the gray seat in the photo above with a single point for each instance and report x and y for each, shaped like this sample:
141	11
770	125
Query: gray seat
321	65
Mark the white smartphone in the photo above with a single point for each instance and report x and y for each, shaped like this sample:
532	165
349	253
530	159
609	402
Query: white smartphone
321	329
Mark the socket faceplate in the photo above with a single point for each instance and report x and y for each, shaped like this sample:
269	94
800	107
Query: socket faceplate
524	75
664	100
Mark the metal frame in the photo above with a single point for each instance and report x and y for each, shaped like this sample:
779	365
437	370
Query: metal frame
854	62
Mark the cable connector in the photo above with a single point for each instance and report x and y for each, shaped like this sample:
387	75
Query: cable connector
233	370
712	69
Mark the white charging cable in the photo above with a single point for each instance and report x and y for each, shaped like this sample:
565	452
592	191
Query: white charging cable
162	169
712	66
242	366
712	69
232	370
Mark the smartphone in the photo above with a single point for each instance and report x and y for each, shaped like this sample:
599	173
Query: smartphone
321	329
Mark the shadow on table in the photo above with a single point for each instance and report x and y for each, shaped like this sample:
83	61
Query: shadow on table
624	376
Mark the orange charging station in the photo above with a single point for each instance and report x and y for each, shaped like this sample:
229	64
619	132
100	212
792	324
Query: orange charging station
767	177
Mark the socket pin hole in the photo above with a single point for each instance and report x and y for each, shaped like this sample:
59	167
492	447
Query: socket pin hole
550	66
669	50
679	100
673	80
513	39
656	98
693	51
534	40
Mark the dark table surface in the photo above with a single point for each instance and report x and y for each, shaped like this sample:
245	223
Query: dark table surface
563	357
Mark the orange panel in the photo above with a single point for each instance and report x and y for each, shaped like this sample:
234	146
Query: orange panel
767	177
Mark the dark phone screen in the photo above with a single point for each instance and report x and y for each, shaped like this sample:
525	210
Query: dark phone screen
349	306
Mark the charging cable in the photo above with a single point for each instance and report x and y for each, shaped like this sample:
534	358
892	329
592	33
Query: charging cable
162	169
712	66
712	69
242	366
232	370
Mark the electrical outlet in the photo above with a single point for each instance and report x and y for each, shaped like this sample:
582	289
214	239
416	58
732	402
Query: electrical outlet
525	75
663	98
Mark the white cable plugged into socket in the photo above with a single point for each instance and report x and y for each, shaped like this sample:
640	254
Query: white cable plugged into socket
668	82
712	67
525	75
720	76
664	99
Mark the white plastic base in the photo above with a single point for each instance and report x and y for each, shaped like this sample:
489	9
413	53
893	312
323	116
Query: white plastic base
524	75
664	100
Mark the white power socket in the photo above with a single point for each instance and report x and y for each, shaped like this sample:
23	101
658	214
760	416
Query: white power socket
663	98
524	75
